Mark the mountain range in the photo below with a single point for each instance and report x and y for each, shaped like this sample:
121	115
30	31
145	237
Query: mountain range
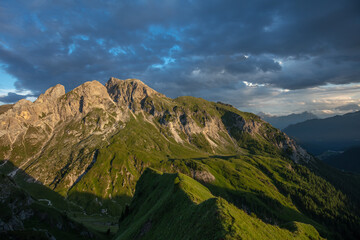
282	122
335	133
164	168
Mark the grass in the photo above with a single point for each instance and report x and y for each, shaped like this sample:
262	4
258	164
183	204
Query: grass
174	206
100	223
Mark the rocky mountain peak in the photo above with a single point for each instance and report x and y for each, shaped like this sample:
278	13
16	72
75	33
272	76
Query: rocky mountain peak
52	93
85	98
21	103
91	89
131	87
129	92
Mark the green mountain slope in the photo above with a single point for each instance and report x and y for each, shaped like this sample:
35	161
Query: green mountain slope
174	206
86	149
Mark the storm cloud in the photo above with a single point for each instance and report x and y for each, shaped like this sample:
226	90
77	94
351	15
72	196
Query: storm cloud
200	48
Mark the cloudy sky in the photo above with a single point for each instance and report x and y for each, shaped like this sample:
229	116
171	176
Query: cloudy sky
277	57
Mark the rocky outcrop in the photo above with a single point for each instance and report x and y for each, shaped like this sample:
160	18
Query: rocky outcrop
203	176
130	93
4	108
85	98
51	94
27	121
295	152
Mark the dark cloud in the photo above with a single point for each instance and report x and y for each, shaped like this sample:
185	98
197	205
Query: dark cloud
12	97
203	48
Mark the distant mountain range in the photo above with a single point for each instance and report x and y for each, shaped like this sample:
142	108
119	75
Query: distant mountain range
282	122
335	133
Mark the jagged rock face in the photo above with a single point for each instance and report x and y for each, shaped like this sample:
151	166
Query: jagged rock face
85	98
130	93
203	176
112	132
5	108
33	124
51	94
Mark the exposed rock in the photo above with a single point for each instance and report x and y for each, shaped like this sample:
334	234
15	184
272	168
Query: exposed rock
51	94
203	176
130	92
4	108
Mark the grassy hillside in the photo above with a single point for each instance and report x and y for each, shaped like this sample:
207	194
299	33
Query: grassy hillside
279	191
174	206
